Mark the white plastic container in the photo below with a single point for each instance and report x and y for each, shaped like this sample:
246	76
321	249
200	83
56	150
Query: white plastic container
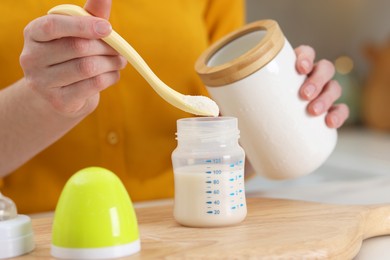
16	233
208	167
251	75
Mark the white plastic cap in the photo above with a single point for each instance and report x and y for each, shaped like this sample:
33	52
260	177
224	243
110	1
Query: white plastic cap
16	235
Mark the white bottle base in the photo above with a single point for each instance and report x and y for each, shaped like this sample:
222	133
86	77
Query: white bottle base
96	253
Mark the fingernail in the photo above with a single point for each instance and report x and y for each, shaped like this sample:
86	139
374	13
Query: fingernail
309	90
305	65
102	27
318	108
334	120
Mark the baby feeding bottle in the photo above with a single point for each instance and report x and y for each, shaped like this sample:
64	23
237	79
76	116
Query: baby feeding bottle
208	168
251	75
16	233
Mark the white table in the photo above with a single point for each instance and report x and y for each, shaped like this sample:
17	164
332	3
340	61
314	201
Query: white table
357	172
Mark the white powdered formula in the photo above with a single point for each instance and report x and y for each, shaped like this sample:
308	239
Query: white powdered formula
202	103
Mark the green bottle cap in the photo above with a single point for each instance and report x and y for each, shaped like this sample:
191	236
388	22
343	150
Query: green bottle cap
94	212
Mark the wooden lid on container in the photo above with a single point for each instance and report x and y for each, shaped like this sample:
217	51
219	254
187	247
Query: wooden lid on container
247	63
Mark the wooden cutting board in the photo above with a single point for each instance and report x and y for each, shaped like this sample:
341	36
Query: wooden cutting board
273	229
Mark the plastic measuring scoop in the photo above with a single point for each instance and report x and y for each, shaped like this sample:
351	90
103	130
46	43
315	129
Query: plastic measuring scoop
198	105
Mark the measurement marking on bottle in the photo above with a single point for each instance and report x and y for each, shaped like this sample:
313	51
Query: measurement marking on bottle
215	160
222	188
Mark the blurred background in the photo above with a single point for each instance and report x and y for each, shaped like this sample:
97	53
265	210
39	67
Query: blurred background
355	35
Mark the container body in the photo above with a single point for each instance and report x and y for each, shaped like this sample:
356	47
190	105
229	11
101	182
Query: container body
208	168
280	138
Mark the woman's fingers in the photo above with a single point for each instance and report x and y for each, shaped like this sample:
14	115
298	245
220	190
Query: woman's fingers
99	8
76	70
55	26
323	101
337	115
73	96
64	49
305	59
322	73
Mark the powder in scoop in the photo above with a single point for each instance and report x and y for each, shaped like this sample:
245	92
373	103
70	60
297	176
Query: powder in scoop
203	105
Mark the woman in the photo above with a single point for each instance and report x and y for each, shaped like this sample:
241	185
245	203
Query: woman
57	119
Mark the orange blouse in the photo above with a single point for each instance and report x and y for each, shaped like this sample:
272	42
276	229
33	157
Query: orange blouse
132	132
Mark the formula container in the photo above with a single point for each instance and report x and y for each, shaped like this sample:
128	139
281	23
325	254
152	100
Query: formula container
251	75
208	166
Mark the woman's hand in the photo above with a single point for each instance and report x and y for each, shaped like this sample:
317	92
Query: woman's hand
319	88
67	64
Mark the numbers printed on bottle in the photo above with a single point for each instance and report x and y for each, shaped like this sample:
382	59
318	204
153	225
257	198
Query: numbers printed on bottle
217	172
223	189
215	160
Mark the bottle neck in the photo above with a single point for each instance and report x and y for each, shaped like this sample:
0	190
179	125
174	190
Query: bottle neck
208	132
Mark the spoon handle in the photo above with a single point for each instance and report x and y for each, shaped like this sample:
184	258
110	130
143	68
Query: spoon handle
125	49
198	105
